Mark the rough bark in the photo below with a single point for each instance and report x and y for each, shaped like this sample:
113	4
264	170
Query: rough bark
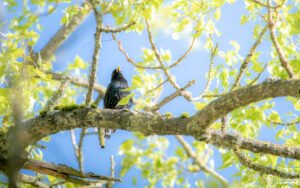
147	123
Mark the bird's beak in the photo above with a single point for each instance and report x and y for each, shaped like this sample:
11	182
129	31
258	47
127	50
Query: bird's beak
118	69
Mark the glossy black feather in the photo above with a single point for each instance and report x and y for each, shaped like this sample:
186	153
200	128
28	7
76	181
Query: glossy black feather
115	93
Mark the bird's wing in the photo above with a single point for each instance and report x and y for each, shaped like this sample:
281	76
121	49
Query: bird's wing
115	93
110	98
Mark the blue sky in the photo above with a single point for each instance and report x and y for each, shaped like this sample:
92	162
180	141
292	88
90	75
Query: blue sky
81	43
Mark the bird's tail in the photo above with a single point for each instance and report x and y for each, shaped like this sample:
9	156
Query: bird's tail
109	132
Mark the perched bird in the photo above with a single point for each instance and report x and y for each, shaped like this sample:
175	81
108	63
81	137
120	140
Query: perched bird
115	93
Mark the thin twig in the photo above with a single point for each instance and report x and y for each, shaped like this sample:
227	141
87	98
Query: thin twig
57	95
172	96
263	169
112	171
157	87
116	30
213	53
165	70
189	151
97	48
80	154
78	148
269	6
185	54
285	123
130	60
159	58
259	74
98	99
282	58
248	58
77	81
212	95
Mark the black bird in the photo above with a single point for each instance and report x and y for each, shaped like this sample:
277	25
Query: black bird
115	93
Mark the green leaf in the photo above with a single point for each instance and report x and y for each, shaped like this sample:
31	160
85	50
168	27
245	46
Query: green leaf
134	180
293	20
78	64
227	159
244	19
217	14
181	153
235	45
224	77
274	116
218	3
297	105
125	100
199	105
69	13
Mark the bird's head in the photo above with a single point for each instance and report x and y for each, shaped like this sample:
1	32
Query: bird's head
117	74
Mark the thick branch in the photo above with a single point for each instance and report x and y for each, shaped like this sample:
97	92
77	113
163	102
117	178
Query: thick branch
61	35
64	172
35	182
149	124
242	97
145	123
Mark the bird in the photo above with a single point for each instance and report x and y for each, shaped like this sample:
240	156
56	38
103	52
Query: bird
114	93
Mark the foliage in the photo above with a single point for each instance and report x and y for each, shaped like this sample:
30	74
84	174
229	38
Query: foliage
23	70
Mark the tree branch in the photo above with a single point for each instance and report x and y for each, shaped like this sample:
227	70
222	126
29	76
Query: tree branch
282	58
263	169
258	75
97	48
269	6
60	36
199	162
213	53
77	81
248	58
172	96
165	69
231	141
297	121
57	95
64	172
242	97
148	124
116	30
35	182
